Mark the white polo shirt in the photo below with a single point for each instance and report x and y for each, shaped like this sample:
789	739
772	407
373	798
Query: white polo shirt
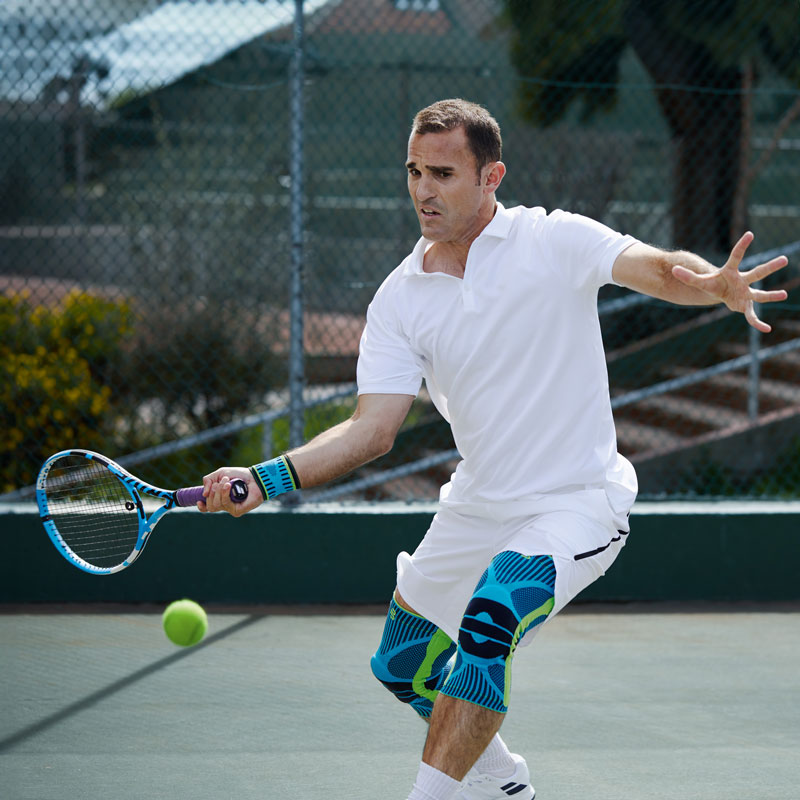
512	356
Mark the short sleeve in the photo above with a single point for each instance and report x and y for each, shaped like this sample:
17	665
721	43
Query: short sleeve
386	362
582	249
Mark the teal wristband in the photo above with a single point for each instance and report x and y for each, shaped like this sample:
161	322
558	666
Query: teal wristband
275	477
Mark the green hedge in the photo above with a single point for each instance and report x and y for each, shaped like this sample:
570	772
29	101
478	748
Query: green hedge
54	363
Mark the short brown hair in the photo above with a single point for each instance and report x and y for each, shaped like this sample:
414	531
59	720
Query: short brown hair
480	127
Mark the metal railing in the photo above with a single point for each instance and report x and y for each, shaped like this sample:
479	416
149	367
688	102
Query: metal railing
618	402
313	397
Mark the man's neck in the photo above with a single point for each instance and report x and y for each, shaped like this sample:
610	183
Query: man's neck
447	257
451	257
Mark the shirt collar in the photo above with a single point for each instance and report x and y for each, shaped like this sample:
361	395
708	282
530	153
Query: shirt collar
500	225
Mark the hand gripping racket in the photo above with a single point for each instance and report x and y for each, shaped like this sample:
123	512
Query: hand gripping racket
98	515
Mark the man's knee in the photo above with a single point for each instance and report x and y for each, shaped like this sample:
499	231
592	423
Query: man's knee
412	660
515	594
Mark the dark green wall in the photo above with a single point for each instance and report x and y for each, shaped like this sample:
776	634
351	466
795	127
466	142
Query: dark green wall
349	557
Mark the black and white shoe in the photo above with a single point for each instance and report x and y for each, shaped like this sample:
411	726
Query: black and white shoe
483	786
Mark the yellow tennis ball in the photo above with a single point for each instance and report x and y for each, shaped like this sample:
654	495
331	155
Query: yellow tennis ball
185	622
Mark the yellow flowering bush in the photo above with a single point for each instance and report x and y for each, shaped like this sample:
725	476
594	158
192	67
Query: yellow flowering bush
54	368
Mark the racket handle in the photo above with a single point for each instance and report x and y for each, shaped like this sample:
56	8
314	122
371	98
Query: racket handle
190	496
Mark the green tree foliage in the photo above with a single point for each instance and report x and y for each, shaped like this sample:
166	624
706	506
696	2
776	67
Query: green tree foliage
567	51
697	53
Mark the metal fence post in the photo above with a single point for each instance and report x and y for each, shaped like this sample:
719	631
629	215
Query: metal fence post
296	362
754	374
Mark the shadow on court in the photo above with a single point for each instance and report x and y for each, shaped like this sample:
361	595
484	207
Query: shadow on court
607	703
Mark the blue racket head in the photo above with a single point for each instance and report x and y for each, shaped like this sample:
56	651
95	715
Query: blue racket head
98	515
92	511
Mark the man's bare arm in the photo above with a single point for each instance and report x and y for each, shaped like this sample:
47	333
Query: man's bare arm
368	434
686	279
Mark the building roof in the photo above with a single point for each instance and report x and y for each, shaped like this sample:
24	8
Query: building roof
427	17
153	50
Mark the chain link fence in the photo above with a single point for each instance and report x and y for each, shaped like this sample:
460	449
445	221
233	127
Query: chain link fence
198	199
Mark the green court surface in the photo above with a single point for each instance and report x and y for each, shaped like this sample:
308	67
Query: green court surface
629	703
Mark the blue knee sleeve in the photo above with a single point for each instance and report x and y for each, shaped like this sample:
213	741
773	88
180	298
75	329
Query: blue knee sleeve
412	661
515	594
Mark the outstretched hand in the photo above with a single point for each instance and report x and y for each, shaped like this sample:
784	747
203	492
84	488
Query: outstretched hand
734	288
217	486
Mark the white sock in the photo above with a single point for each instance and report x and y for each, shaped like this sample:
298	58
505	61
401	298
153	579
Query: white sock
496	759
431	784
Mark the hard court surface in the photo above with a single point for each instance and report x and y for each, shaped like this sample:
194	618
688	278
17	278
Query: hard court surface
629	704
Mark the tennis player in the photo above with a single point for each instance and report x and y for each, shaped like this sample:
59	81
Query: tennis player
496	309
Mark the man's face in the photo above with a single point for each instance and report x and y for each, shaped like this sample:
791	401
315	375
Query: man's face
445	186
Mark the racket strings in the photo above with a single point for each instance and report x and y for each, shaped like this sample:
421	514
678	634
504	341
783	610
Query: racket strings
93	512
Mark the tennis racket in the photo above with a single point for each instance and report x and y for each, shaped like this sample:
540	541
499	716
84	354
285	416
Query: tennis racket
98	515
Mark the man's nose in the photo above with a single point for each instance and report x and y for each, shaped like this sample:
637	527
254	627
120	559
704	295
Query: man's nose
424	189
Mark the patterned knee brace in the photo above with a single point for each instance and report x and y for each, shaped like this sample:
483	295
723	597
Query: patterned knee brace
514	594
412	660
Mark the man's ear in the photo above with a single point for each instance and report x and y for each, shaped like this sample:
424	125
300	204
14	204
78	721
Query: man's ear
493	176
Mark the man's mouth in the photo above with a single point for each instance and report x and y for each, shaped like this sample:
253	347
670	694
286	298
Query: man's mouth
429	212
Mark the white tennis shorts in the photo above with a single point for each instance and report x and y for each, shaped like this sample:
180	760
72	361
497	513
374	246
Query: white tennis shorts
439	579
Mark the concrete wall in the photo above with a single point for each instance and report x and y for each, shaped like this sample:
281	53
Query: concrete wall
333	554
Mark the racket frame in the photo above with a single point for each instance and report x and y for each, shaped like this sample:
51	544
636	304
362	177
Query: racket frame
135	488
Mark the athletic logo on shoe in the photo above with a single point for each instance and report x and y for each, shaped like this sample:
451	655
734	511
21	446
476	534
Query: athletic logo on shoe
513	788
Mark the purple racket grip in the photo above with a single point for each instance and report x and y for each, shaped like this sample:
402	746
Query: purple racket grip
190	496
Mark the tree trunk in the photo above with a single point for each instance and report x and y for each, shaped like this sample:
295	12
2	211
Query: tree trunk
706	174
702	104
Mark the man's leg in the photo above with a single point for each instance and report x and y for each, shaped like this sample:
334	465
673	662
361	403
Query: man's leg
414	657
423	703
459	732
515	594
497	756
412	661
